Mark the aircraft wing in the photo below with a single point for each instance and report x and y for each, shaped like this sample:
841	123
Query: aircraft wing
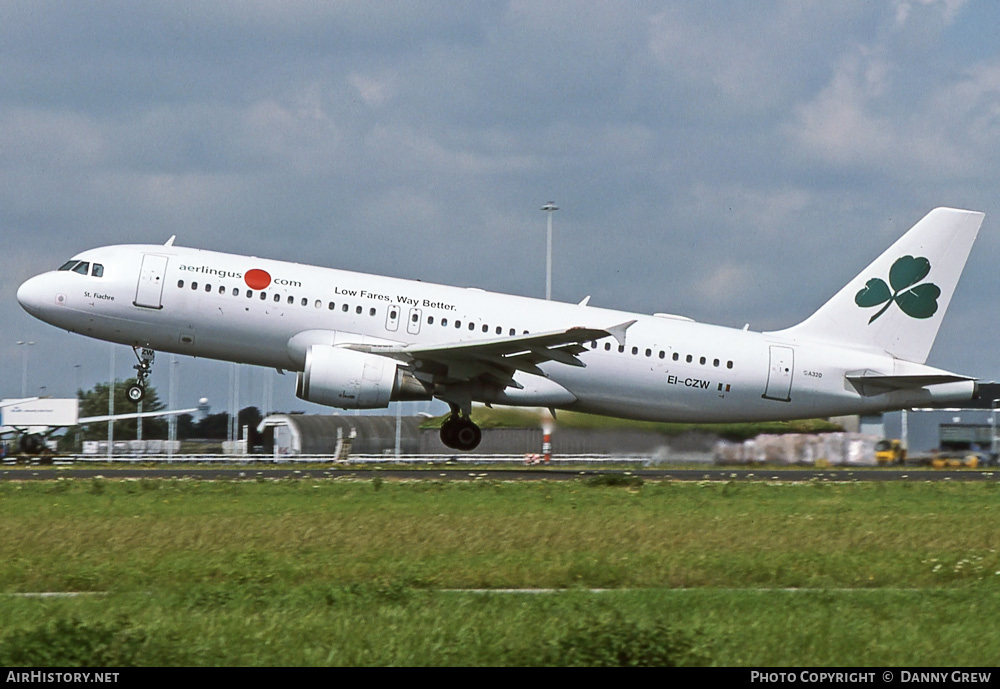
135	415
496	360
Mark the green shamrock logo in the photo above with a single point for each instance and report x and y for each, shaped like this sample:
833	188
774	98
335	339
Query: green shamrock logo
916	301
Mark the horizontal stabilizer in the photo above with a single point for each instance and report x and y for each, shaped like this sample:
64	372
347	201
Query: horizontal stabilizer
876	384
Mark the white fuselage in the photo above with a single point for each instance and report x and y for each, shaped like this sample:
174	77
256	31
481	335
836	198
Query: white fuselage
216	305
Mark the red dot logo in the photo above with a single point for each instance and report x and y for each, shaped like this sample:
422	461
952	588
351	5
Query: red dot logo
257	279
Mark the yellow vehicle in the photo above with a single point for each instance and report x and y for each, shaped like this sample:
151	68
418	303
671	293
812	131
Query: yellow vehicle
970	461
890	452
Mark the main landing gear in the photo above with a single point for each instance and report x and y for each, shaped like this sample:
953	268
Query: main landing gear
137	391
459	432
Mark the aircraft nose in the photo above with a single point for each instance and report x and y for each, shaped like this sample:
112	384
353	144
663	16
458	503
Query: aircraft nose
31	295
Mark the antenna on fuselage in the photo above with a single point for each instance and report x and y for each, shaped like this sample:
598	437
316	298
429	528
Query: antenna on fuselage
170	242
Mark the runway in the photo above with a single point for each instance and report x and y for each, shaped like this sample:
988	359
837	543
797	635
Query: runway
722	474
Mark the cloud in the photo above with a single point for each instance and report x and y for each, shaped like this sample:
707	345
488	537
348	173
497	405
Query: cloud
706	156
901	107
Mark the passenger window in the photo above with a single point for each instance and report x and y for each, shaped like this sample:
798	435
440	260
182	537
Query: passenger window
472	326
97	271
194	285
304	301
263	296
371	312
344	309
180	283
430	319
208	288
358	310
330	307
277	298
444	322
222	289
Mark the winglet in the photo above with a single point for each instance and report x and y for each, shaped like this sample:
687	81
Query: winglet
618	331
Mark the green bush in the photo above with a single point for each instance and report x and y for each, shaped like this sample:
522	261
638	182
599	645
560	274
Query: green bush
618	642
615	480
70	642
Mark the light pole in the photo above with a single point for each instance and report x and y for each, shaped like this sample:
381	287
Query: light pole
549	208
111	404
24	366
171	404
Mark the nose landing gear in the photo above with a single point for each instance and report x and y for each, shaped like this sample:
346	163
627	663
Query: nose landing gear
137	391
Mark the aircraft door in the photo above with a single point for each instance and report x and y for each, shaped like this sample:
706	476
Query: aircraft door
413	323
151	275
779	375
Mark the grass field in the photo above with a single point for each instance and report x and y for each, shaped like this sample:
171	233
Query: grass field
330	572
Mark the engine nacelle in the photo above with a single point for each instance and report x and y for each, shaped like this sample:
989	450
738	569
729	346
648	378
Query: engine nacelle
338	377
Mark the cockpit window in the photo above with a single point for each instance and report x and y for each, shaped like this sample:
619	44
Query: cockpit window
83	268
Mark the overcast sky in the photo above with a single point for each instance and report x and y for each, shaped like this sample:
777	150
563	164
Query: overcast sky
732	162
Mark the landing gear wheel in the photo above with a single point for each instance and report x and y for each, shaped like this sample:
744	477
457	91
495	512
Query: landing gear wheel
136	393
31	444
468	436
460	433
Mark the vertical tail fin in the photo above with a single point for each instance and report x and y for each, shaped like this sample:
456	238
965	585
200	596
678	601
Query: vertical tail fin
897	303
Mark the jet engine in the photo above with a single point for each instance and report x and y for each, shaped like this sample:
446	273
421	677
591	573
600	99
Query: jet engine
338	377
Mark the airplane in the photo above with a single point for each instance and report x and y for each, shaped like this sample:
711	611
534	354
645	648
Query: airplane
33	420
361	341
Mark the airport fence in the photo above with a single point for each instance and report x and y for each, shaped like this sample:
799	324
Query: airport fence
383	459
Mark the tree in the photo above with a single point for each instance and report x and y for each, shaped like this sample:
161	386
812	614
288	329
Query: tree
216	426
95	403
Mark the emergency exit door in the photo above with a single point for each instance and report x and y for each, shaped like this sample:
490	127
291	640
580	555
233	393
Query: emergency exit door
779	375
